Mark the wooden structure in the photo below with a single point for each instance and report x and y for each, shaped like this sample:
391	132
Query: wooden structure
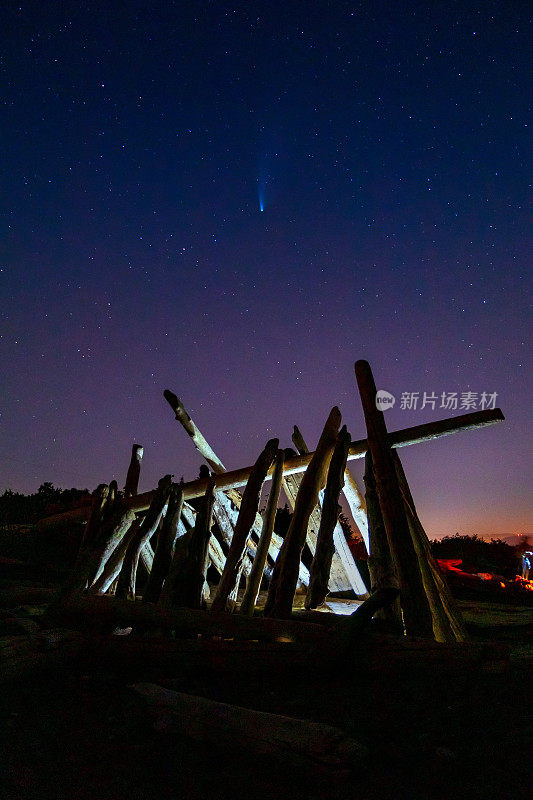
186	534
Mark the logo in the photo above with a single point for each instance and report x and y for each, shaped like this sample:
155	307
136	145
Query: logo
384	400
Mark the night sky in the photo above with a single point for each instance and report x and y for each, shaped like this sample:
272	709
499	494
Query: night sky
238	201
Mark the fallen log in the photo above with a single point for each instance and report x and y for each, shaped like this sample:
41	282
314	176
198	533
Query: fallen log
302	743
285	576
325	548
86	612
243	527
237	478
374	658
415	606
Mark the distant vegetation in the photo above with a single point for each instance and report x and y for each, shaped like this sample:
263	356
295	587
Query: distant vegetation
18	509
477	554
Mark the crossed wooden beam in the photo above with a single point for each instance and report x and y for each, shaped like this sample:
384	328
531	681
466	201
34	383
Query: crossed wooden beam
237	478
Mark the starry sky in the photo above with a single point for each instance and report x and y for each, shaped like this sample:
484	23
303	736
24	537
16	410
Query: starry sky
236	201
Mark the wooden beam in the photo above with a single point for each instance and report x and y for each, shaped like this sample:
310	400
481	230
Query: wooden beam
205	449
283	584
238	477
140	536
134	471
258	566
325	548
343	566
413	599
243	526
165	544
380	566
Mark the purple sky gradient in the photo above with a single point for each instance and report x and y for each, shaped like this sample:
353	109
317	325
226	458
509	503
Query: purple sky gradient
389	149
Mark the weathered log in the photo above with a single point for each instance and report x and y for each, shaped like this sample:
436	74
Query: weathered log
113	565
237	478
134	471
338	578
216	554
186	577
93	613
112	533
301	743
447	619
415	606
343	562
97	550
203	446
165	545
325	548
254	581
246	518
346	636
226	519
380	565
200	443
141	535
357	505
283	583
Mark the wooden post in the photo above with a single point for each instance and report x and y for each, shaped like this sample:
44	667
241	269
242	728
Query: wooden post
134	471
200	443
165	544
141	535
250	504
99	503
357	506
343	565
325	548
380	565
415	606
203	447
283	583
96	551
186	577
226	517
447	619
258	566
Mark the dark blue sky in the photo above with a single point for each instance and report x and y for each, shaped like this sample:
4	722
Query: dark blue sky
388	144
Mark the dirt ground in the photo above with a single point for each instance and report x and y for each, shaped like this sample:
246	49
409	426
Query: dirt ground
78	730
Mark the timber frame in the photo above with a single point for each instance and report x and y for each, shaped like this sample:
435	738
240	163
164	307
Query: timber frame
180	530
